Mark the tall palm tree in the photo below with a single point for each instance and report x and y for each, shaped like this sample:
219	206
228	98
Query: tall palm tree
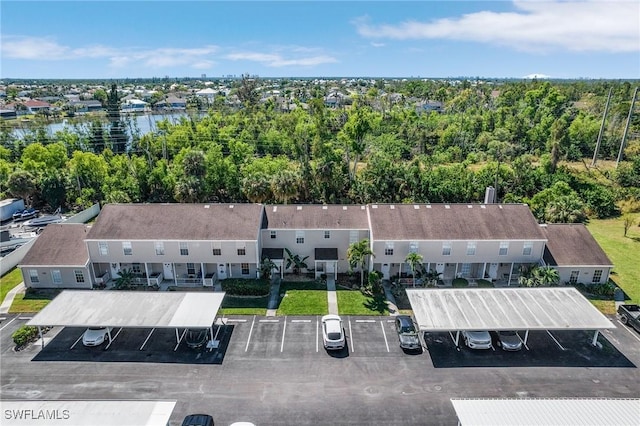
357	254
415	261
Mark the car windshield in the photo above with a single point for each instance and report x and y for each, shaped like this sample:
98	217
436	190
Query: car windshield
507	333
333	335
96	328
407	329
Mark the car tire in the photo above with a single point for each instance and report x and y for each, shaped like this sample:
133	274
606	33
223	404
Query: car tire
624	320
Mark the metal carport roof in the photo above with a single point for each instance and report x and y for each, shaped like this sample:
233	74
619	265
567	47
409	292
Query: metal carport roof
549	308
78	308
547	412
94	413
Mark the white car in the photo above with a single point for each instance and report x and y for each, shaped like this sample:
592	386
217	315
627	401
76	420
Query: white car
477	339
95	336
332	332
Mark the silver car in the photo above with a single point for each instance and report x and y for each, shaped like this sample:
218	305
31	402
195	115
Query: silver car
407	334
477	339
509	340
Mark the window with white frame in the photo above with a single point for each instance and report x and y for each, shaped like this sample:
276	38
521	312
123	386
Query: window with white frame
446	248
33	276
216	249
597	276
159	248
126	248
504	248
79	276
573	279
388	248
56	276
241	249
527	248
327	235
184	249
299	237
245	268
471	248
135	268
413	247
274	235
103	248
191	268
466	269
353	236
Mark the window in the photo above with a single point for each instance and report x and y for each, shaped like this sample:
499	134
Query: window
79	276
103	247
33	276
135	268
413	247
466	269
126	248
446	248
274	235
573	279
299	237
353	237
217	251
327	235
159	248
527	248
388	249
184	249
504	248
242	251
597	276
471	248
56	276
191	268
245	268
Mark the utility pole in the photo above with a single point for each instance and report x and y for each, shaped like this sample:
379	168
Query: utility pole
626	127
604	117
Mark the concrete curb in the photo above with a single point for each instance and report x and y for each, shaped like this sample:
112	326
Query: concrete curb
8	300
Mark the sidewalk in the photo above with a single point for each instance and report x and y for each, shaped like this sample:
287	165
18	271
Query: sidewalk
8	300
332	296
391	300
274	298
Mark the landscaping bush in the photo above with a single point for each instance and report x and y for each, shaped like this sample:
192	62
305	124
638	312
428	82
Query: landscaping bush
246	287
603	290
460	282
24	335
484	283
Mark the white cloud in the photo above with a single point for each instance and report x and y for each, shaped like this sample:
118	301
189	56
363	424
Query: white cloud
20	47
537	76
609	26
376	44
276	60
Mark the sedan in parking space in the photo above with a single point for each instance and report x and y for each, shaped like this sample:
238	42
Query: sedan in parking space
477	339
407	334
332	332
197	337
198	420
95	336
509	340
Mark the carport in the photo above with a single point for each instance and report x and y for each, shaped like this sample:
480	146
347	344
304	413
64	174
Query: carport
547	412
95	413
501	309
128	309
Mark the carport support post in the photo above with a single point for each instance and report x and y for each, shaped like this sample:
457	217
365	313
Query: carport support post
595	338
41	338
526	336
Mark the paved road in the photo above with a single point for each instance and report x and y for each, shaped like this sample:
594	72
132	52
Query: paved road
273	371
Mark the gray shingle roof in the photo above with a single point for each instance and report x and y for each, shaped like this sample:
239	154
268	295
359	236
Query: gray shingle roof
453	222
316	216
571	244
168	222
60	244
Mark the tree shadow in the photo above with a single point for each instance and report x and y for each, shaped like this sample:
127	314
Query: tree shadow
377	303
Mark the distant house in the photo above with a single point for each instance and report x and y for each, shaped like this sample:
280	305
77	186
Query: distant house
172	103
429	106
8	114
86	106
34	106
134	105
207	93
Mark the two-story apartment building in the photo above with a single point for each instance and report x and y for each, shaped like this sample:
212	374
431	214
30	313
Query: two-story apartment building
488	241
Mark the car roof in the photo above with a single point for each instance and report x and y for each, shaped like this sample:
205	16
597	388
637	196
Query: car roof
197	420
404	319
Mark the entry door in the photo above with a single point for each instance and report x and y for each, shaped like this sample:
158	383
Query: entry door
385	271
493	271
167	270
115	270
222	271
440	268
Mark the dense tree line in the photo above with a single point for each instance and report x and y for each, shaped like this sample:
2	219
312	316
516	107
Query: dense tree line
518	136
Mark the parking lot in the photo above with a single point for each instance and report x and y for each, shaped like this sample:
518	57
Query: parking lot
275	371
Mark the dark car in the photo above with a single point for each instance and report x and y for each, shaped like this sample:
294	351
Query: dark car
197	337
407	333
198	420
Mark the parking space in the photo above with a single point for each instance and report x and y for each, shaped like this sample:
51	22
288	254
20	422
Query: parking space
372	336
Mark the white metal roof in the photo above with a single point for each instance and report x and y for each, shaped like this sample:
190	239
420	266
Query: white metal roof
547	412
80	413
77	308
549	308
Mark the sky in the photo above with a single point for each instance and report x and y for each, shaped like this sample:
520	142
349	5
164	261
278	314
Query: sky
427	39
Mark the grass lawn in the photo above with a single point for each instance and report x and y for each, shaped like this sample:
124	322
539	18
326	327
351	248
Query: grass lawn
353	302
303	298
243	305
9	281
623	252
32	301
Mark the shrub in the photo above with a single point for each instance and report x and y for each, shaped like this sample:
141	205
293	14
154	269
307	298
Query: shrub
245	287
24	335
460	282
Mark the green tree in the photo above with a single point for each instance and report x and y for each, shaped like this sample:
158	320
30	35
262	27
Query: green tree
357	254
22	184
415	263
117	133
538	276
294	260
285	185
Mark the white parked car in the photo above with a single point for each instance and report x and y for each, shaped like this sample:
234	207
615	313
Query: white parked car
477	339
95	336
332	332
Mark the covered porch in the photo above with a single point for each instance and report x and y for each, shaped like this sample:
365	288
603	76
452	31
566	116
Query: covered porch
276	255
326	262
158	274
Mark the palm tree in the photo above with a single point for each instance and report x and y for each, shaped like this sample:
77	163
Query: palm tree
285	185
539	276
415	261
357	254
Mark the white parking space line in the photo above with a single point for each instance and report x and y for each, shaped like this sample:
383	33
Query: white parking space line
299	320
353	349
366	320
246	348
76	342
385	335
5	326
147	339
554	339
3	318
236	320
284	330
629	329
317	335
523	343
25	318
114	338
268	320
